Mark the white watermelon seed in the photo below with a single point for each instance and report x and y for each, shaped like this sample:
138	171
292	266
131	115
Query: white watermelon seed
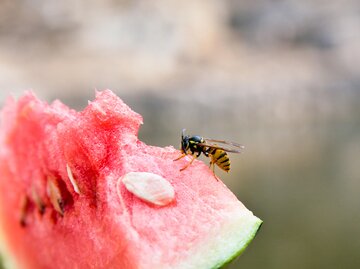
55	195
38	201
149	187
72	179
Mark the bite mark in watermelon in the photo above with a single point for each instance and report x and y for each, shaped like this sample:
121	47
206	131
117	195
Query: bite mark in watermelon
61	205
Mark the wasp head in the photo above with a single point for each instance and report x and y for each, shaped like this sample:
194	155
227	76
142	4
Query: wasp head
184	142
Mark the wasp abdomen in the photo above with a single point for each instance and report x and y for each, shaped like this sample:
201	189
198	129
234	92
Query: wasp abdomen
220	158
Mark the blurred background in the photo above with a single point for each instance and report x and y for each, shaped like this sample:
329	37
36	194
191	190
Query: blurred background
280	77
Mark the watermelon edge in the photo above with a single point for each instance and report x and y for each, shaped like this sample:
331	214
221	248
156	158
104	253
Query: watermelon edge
223	245
257	225
7	261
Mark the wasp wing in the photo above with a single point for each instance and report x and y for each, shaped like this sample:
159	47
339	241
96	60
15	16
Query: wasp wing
230	146
210	140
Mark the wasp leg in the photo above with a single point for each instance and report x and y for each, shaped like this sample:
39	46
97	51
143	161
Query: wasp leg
194	157
213	169
180	157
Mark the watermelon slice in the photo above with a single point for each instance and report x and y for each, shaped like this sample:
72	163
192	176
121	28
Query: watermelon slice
69	197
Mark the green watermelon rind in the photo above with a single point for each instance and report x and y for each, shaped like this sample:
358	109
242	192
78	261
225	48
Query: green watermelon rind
6	259
1	263
223	244
247	240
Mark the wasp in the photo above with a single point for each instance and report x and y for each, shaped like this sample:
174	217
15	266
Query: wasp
215	149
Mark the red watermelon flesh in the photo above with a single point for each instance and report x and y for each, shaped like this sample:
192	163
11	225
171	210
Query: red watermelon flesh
48	221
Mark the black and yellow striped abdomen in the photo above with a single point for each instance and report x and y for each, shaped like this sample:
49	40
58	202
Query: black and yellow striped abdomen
220	158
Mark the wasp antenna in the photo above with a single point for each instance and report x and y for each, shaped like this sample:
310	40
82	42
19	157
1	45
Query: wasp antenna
183	132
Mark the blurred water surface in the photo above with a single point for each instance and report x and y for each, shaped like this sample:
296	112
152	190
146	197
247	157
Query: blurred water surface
280	77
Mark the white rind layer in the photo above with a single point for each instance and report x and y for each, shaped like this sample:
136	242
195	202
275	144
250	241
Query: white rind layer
222	245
